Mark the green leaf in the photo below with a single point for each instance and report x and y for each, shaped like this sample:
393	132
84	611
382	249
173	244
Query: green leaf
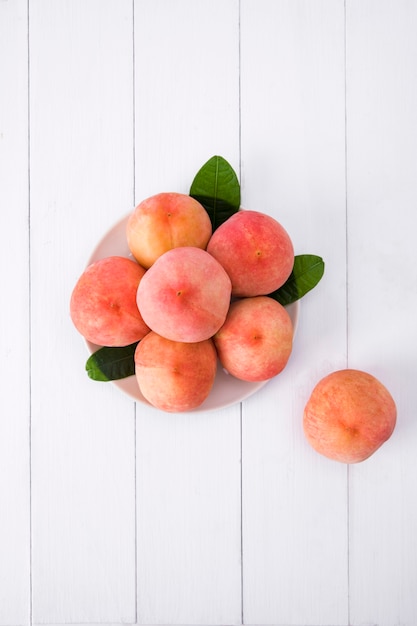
217	188
112	363
307	272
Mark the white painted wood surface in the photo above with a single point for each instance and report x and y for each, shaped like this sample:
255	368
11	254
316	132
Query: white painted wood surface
14	319
114	513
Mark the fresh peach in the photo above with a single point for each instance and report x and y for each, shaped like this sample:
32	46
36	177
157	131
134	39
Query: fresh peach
256	252
349	415
103	302
166	221
255	342
185	295
175	376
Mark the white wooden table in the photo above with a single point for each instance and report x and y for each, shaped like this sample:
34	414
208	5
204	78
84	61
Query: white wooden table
115	513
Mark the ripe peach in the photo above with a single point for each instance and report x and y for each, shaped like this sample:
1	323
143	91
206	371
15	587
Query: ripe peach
103	302
349	415
256	252
175	376
255	342
166	221
185	295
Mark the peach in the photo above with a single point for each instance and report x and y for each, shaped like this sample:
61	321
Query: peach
103	302
349	415
166	221
256	252
175	376
185	295
255	342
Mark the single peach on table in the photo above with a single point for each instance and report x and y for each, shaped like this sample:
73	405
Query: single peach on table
185	295
103	302
165	221
255	342
175	376
255	250
349	415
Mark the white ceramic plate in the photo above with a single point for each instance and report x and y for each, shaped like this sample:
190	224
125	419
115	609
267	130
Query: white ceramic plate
227	389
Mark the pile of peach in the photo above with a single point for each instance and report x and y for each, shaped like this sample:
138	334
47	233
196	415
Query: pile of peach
191	297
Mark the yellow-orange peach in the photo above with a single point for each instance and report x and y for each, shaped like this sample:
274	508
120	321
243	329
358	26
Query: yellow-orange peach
103	302
175	376
165	221
349	415
255	250
255	342
185	295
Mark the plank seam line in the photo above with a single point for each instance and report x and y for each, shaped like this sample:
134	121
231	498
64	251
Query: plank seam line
30	608
239	53
347	298
135	464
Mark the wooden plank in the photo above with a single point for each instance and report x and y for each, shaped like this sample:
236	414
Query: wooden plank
187	90
295	552
83	434
14	319
188	487
188	518
382	196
